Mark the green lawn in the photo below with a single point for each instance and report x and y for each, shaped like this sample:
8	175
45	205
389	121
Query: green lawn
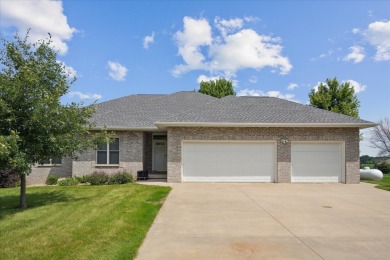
383	184
79	222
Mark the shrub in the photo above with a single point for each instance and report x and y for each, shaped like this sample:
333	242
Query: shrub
51	180
121	178
97	178
82	179
8	178
68	182
384	167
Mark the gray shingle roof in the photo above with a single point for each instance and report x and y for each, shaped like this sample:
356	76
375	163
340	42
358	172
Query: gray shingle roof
186	108
142	111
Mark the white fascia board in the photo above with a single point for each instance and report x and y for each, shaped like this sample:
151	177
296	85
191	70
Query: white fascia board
164	125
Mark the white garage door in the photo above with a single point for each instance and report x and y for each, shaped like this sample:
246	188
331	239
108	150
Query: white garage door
316	162
228	162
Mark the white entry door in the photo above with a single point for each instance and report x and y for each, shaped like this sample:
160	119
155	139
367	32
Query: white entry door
160	155
228	162
316	162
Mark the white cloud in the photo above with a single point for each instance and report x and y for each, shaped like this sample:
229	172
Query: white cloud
378	35
70	71
356	85
205	78
323	55
228	26
117	71
253	79
196	33
292	86
317	85
84	96
280	95
251	19
234	49
357	54
355	30
273	93
250	92
42	16
148	40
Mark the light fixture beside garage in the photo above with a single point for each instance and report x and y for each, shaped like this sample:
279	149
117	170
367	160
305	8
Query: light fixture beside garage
284	141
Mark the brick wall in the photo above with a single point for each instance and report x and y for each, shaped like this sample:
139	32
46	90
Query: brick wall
40	173
130	156
350	136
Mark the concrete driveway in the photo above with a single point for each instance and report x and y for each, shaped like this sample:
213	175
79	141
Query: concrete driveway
271	221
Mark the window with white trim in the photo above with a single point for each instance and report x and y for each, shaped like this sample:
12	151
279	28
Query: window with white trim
108	153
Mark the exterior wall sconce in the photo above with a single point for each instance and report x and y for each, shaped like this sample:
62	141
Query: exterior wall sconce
284	141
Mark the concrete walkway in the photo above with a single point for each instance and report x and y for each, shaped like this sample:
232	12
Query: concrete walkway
271	221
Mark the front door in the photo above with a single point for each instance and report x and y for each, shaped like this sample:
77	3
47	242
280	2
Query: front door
160	155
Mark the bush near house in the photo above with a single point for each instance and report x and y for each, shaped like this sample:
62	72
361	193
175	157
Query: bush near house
68	182
9	178
97	178
121	178
82	179
51	180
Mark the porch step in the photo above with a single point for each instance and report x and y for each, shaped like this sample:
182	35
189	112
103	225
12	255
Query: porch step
157	175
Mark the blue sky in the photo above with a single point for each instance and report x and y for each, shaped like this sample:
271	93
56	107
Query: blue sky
275	48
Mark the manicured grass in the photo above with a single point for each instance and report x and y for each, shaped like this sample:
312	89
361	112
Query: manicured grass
80	222
383	184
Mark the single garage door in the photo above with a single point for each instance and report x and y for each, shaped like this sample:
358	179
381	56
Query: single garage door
316	162
228	162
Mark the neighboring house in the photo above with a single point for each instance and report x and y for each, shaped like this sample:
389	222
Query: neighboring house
198	138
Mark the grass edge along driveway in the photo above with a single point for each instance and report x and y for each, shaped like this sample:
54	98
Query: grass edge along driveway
79	222
383	184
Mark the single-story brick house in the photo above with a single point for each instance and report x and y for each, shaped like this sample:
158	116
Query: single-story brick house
192	137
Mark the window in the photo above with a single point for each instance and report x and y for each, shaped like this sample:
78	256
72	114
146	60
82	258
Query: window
108	153
51	161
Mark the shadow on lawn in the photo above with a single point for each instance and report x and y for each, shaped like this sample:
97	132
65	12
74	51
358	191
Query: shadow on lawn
9	204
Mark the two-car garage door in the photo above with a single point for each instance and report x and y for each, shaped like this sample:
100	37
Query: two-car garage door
228	161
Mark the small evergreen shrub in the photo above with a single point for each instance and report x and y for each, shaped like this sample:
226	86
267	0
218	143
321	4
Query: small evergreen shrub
97	178
68	182
121	178
82	179
51	180
8	178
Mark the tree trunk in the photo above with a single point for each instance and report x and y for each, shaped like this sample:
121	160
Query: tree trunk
23	202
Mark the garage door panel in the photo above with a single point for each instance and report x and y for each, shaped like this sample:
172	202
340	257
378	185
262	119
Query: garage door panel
228	162
316	147
316	162
315	156
315	167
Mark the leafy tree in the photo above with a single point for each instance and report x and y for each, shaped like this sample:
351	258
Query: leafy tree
217	88
365	159
336	98
380	137
34	125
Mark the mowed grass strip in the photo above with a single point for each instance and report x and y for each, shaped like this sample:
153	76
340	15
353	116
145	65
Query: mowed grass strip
383	184
80	222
